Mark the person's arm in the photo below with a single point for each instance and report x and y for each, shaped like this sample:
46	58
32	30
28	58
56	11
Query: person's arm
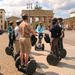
37	30
16	31
32	31
42	29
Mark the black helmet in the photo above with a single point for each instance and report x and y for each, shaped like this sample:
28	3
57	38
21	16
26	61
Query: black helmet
60	19
54	19
18	22
11	22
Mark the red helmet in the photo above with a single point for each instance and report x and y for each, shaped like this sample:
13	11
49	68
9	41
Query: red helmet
24	16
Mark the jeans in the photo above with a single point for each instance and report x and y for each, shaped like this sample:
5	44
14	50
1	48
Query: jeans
54	46
60	43
10	41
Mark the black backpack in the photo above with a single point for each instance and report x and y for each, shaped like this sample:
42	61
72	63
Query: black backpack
33	40
47	38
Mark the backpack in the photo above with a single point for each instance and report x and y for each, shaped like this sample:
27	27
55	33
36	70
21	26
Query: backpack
47	38
33	40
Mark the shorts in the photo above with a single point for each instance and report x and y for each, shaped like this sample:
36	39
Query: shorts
25	45
16	47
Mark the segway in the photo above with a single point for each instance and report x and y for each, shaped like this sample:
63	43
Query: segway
9	51
17	55
62	53
52	59
29	69
40	45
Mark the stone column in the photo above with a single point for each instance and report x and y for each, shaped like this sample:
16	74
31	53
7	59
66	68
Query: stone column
33	22
40	19
46	21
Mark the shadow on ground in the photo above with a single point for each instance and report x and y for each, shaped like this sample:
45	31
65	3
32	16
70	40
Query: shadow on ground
46	73
62	65
70	58
42	65
37	73
1	74
51	73
37	54
47	51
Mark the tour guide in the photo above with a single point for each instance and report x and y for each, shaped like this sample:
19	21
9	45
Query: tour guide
25	42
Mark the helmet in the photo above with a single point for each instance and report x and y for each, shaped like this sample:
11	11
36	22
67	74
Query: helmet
24	16
40	22
54	19
60	19
11	22
18	22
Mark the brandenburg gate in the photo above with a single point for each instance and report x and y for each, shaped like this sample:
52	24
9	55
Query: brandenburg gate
44	16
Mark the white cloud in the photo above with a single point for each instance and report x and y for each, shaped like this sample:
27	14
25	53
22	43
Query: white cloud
14	7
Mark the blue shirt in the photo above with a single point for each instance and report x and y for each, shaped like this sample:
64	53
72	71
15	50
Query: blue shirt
40	29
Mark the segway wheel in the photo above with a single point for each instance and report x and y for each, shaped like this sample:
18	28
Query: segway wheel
52	60
43	47
22	69
63	53
9	51
18	62
18	54
31	67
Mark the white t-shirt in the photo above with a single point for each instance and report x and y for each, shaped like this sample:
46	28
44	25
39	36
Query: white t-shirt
17	34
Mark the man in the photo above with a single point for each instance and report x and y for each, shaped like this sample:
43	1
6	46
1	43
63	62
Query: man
40	30
25	42
17	37
60	23
55	34
10	31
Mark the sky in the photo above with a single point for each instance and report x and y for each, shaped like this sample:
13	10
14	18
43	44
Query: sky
61	8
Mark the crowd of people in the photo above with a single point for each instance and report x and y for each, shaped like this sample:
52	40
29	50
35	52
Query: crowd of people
20	36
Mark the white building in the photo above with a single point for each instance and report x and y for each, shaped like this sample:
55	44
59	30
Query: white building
72	14
2	19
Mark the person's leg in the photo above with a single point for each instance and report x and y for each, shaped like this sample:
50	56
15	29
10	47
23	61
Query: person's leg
9	40
57	49
21	50
27	49
16	47
11	43
61	43
26	58
21	58
52	47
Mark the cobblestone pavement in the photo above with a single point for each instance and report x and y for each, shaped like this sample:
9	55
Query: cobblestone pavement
66	66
